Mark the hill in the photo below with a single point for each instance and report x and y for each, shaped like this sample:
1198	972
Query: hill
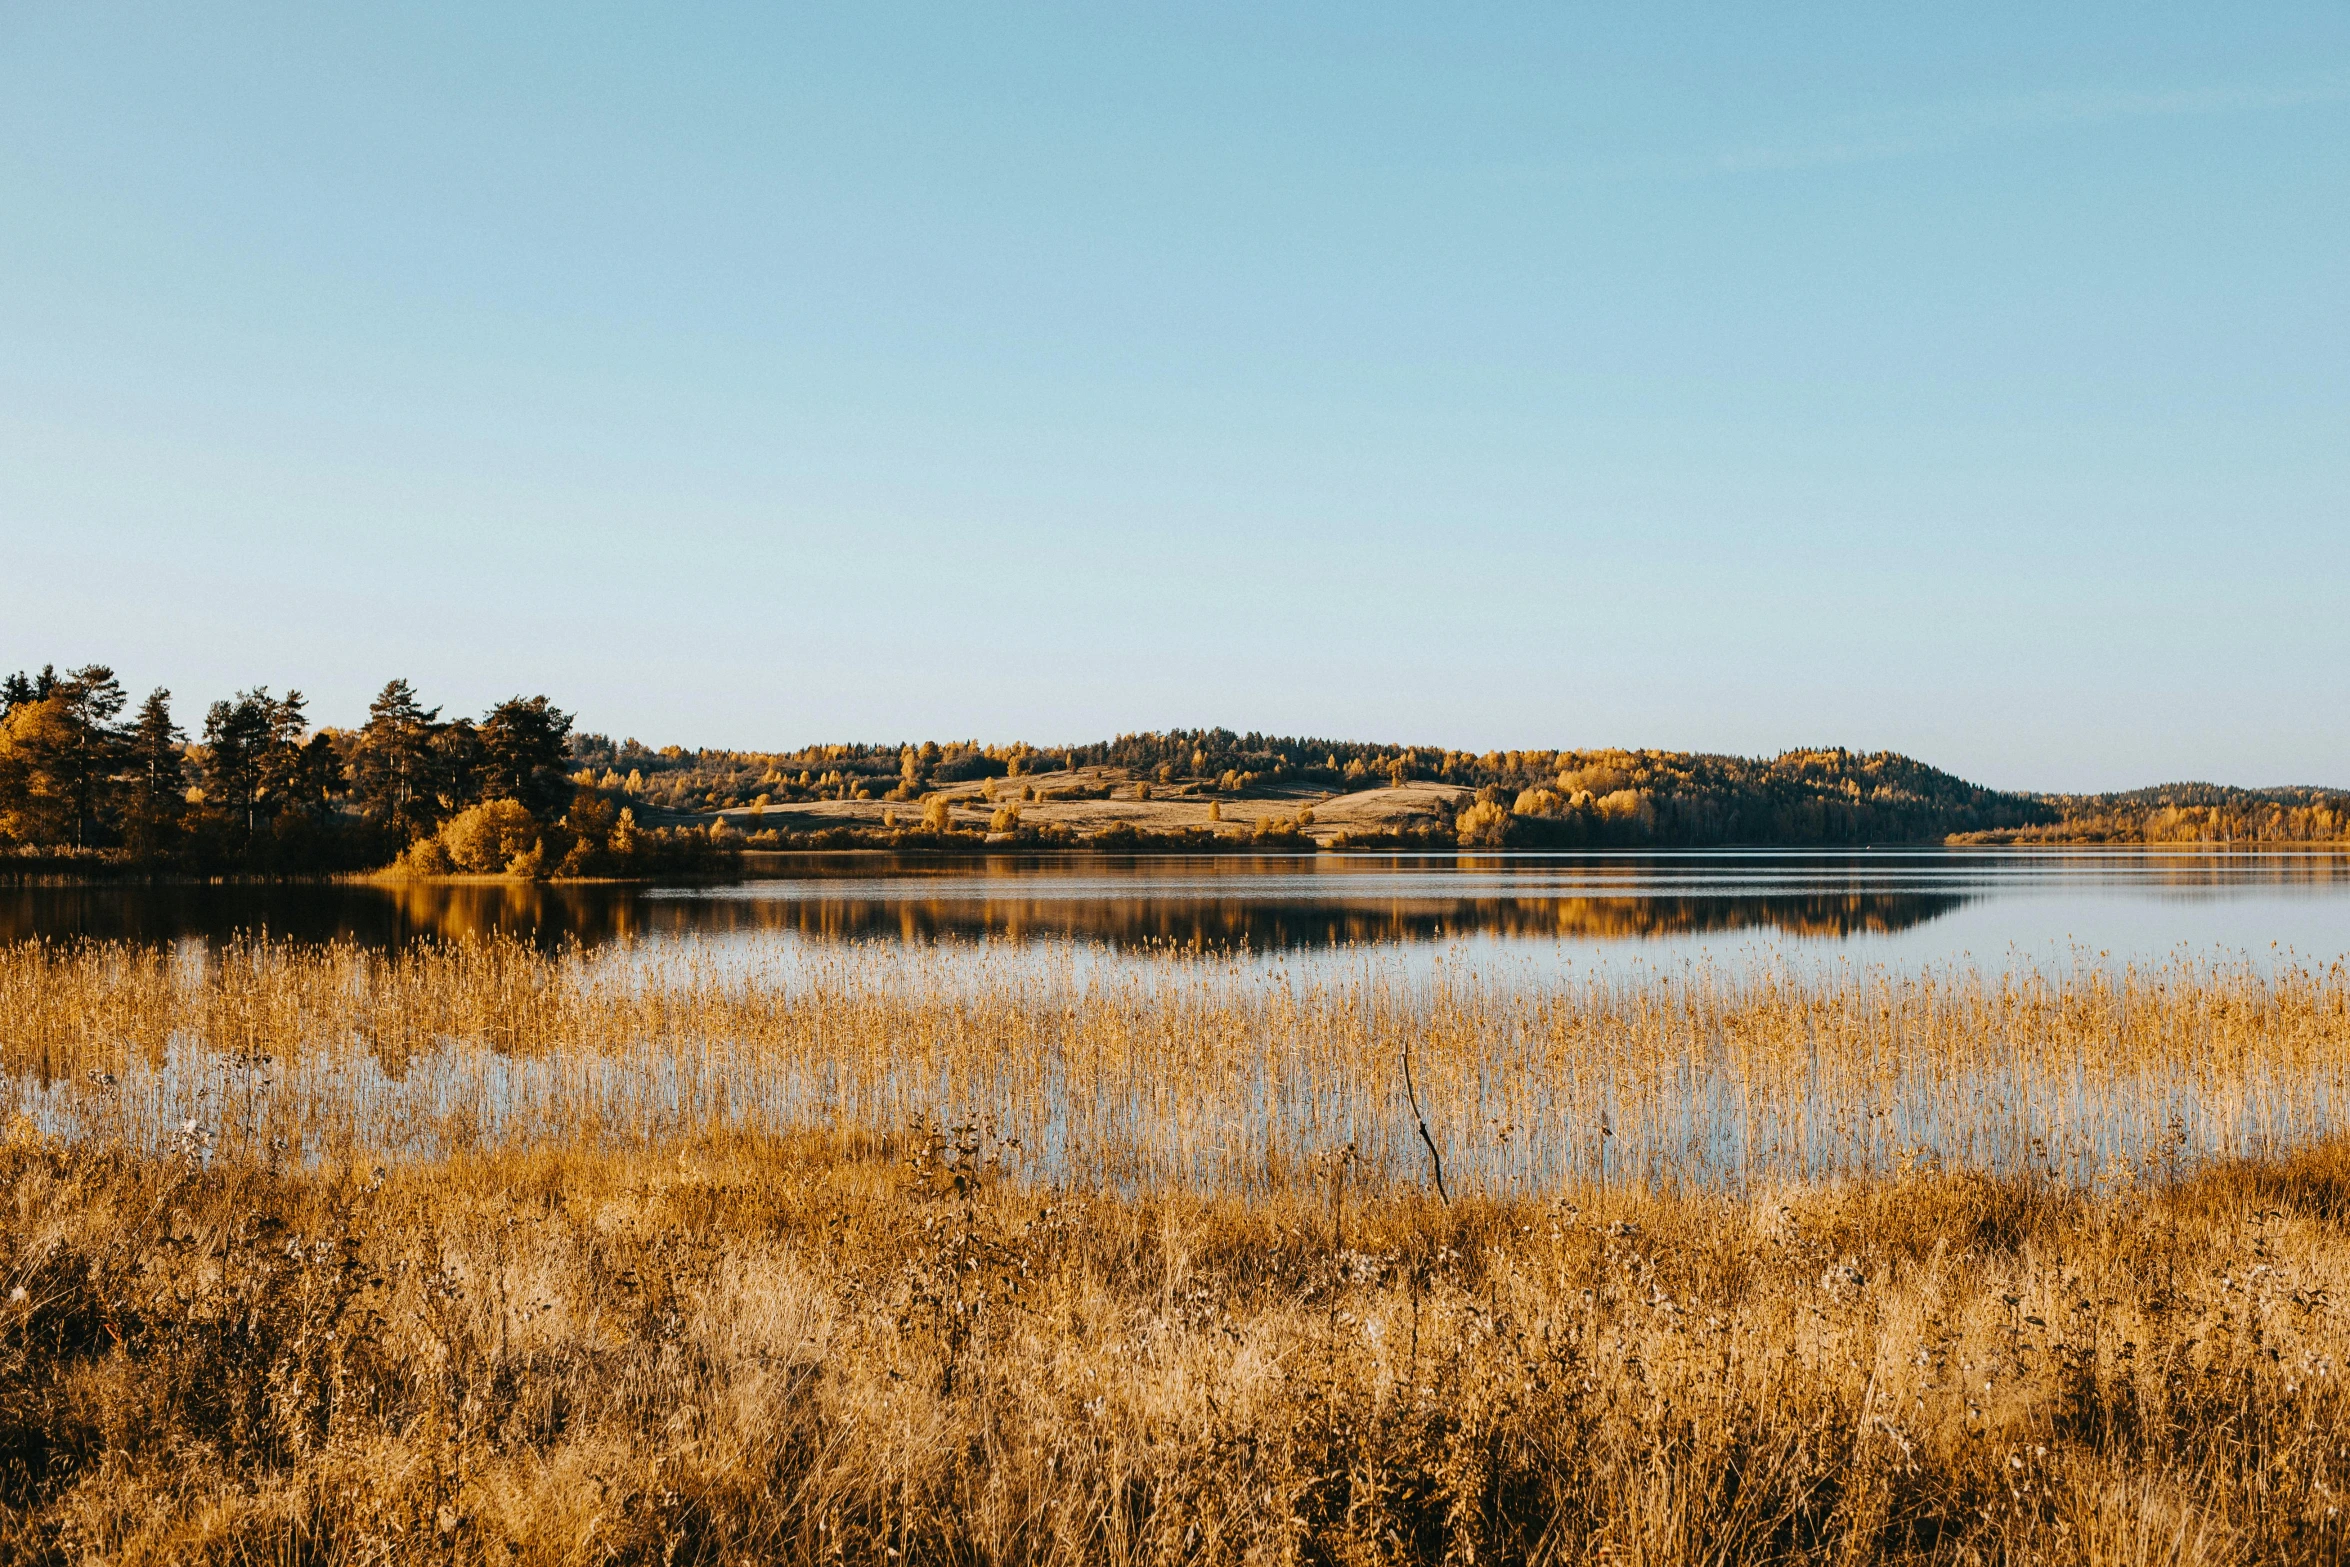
2186	813
1327	790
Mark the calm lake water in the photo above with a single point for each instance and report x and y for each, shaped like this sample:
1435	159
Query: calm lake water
1234	1060
1900	907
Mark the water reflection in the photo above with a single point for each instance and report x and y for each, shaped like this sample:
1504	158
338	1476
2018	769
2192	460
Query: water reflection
1272	923
365	914
1970	900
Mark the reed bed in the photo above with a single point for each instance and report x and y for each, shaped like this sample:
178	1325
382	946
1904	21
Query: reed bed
479	1254
1174	1069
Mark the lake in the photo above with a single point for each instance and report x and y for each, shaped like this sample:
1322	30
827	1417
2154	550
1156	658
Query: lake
1704	1017
1903	908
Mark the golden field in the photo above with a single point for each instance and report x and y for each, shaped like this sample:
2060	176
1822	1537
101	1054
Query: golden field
477	1253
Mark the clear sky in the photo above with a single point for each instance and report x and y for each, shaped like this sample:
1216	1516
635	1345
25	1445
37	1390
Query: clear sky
1971	385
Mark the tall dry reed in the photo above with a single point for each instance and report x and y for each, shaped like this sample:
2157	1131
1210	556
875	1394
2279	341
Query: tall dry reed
1179	1070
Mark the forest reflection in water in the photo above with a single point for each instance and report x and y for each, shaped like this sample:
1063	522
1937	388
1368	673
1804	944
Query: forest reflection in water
1943	903
1260	908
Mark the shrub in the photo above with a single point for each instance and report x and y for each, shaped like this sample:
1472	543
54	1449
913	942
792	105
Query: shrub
486	838
424	857
1006	819
1628	805
1483	825
1536	802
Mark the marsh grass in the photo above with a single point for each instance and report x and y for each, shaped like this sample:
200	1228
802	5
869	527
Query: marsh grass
480	1254
1174	1069
750	1348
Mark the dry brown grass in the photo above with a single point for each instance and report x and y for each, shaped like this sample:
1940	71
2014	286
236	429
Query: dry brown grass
1363	811
756	1349
476	1254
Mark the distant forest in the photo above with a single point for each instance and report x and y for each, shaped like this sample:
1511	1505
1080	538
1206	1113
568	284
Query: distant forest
90	780
1536	797
2187	813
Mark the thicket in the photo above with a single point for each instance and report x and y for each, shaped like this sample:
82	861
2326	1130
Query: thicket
86	784
2190	813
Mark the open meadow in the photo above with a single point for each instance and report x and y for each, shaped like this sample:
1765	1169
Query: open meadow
477	1252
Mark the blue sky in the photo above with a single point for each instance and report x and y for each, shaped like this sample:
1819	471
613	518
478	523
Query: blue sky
1972	386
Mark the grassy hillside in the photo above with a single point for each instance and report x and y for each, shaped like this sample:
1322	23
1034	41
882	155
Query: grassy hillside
1532	798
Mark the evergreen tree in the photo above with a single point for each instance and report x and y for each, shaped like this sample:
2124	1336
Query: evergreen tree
392	764
89	700
157	779
524	743
281	757
239	766
317	777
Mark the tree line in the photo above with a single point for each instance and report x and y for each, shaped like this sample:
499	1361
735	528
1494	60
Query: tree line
1529	798
2187	813
1539	797
87	777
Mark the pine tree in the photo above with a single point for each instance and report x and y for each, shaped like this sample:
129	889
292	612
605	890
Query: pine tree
157	779
392	764
239	767
90	700
524	744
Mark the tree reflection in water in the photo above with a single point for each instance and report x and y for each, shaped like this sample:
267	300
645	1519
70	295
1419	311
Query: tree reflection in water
1262	908
1269	903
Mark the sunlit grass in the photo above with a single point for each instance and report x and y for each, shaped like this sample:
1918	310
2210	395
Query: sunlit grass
748	1348
1180	1070
473	1253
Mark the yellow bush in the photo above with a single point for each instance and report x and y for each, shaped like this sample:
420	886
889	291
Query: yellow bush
1536	802
425	857
1628	805
1482	825
486	838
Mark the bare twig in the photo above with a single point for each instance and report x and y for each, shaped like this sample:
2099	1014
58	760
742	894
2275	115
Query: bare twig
1435	1159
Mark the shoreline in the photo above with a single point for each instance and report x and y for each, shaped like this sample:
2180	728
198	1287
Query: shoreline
1147	846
